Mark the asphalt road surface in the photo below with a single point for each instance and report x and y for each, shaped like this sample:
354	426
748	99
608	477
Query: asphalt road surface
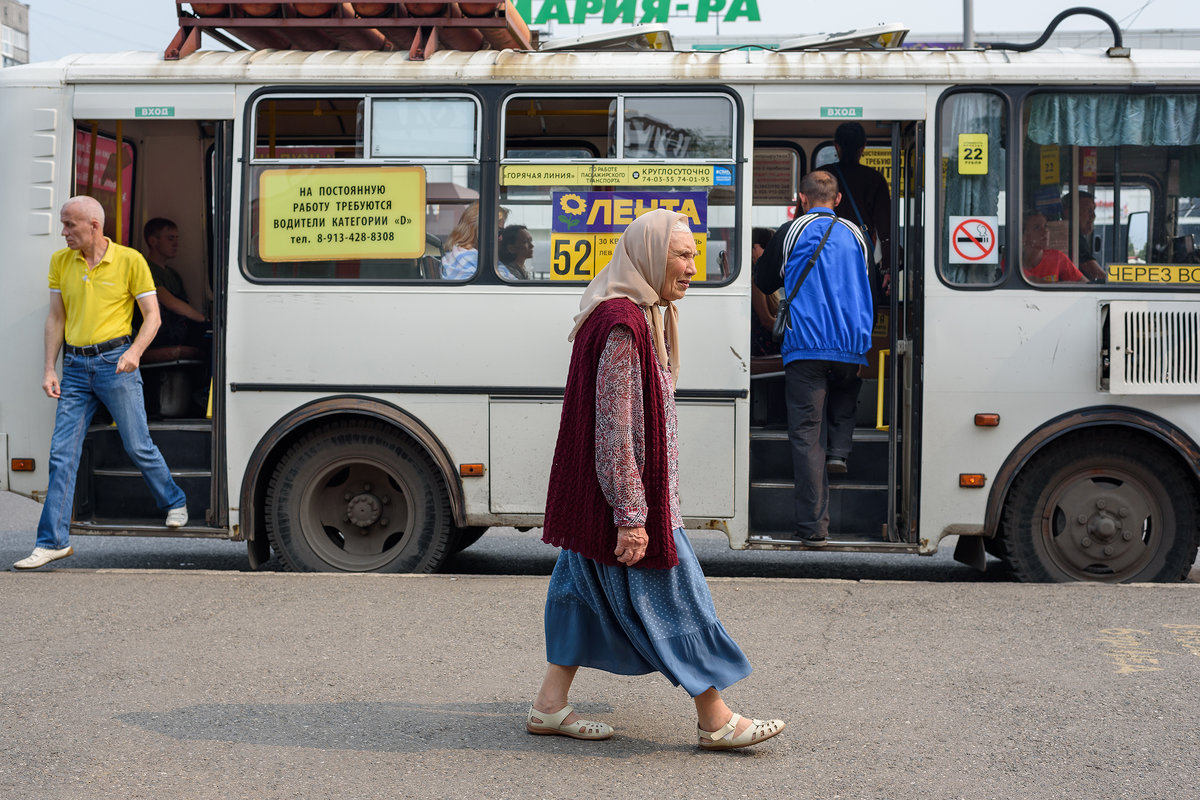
201	684
159	669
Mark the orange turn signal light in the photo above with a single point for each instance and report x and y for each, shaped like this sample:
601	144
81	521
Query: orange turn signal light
22	465
987	420
470	470
971	481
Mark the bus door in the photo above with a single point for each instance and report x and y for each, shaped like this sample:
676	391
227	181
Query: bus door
148	155
902	363
870	505
218	177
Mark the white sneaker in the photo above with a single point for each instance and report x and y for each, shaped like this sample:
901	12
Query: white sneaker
42	556
177	517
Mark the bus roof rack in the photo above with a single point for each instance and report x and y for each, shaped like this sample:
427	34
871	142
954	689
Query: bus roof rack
1118	50
637	37
880	37
421	28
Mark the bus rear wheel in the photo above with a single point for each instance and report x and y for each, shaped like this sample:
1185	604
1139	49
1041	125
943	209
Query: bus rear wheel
358	497
1102	508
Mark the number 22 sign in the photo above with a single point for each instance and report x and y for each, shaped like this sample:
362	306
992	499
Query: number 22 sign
972	153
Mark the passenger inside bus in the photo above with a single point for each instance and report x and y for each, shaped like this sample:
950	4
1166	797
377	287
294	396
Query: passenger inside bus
1089	265
1039	262
182	324
516	247
176	366
762	321
462	259
866	200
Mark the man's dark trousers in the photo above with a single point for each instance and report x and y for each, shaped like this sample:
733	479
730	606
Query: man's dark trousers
818	392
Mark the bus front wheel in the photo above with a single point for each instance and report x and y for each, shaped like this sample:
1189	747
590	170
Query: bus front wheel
358	497
1102	508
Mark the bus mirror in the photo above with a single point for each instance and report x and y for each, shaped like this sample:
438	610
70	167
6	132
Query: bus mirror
1137	234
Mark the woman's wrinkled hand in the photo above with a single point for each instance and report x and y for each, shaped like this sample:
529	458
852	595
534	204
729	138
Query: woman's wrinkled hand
631	545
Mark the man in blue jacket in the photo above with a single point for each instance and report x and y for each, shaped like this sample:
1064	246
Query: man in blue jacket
826	342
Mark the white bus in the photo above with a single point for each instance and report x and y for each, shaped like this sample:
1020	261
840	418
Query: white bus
369	413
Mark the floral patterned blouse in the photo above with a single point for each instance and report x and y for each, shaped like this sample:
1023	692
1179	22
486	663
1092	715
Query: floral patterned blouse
621	432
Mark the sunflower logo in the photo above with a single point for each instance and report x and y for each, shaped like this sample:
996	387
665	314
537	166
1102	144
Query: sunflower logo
573	205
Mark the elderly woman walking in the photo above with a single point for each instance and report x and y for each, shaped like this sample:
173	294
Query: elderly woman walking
627	595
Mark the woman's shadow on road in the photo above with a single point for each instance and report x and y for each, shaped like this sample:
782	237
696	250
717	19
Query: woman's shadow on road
392	727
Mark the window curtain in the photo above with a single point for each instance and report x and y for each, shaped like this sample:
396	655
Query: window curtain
1189	172
1111	120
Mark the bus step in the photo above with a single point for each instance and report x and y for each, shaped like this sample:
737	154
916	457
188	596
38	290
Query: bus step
771	458
852	507
133	472
126	496
768	405
844	543
186	445
104	526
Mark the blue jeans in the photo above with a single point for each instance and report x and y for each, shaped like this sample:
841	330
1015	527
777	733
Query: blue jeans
88	381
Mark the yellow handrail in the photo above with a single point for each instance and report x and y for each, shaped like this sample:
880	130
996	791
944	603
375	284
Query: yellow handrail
120	221
879	426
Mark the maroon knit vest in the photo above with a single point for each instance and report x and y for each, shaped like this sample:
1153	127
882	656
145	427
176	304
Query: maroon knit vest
578	517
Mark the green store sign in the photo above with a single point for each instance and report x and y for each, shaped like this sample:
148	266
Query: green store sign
628	12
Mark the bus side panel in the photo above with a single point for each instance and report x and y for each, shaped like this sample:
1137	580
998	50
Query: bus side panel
524	433
1042	361
367	340
36	164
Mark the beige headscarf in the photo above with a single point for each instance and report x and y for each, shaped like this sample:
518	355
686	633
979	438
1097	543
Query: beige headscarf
637	271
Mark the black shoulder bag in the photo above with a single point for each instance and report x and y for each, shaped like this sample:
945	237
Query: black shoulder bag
783	318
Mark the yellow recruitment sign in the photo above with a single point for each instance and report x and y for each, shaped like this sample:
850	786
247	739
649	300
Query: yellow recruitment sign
972	154
330	214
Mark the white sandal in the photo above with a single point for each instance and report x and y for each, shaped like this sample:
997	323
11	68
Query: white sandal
722	739
553	724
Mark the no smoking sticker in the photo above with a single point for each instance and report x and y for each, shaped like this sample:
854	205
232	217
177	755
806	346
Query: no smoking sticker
973	240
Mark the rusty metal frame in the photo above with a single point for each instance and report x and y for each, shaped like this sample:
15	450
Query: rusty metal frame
341	30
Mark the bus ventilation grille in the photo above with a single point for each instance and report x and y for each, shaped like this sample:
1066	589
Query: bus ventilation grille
1155	348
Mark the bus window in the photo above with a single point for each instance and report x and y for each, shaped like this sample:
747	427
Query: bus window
975	181
671	151
678	127
309	128
363	188
1130	159
96	175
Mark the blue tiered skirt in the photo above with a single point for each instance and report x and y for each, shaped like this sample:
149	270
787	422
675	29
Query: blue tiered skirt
632	621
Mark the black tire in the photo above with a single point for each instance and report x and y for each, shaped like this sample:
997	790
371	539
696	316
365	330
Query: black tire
995	547
1114	508
465	537
358	497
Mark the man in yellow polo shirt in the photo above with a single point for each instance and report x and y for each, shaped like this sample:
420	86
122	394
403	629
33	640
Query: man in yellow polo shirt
93	285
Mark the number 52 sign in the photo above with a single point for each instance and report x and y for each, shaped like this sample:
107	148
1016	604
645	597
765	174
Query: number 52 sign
578	257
